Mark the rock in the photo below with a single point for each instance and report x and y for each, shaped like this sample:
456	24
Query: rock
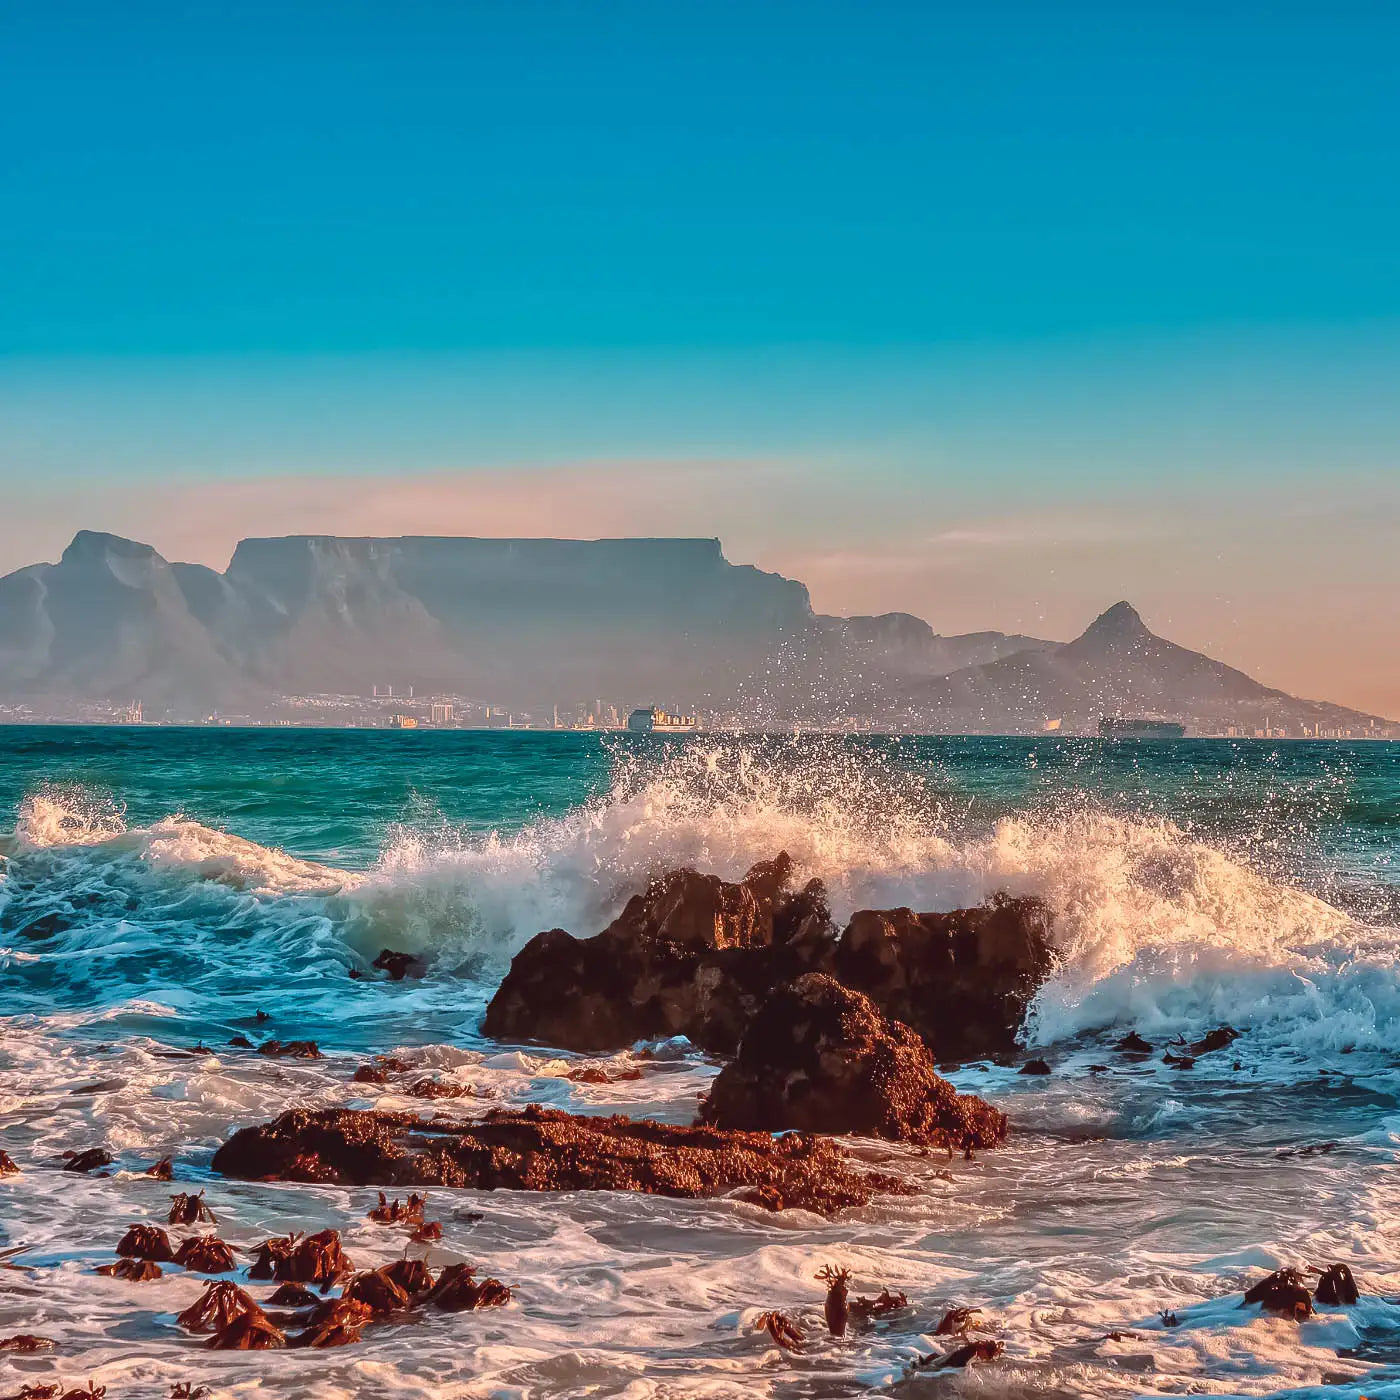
399	965
132	1270
457	1290
1134	1044
146	1242
1219	1039
7	1165
318	1258
164	1170
27	1342
1337	1287
693	956
294	1295
248	1332
821	1058
411	1275
221	1304
696	956
1282	1292
187	1208
539	1149
1035	1067
290	1049
336	1323
205	1254
378	1290
87	1161
963	980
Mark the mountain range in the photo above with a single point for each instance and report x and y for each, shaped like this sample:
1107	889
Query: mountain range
520	623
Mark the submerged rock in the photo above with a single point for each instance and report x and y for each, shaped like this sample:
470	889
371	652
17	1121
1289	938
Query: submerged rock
399	965
822	1058
1283	1291
539	1149
1337	1287
87	1161
146	1242
695	955
221	1304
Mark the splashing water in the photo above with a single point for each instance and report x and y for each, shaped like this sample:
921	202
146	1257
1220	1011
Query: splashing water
158	903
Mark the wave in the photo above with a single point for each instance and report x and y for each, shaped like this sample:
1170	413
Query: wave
1152	926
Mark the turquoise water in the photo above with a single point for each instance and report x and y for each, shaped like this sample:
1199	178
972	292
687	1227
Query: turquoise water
162	887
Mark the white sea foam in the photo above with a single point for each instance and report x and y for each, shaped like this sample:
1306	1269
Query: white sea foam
1152	927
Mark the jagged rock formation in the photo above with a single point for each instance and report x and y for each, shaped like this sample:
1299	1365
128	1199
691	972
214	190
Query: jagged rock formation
697	956
538	1149
693	955
821	1058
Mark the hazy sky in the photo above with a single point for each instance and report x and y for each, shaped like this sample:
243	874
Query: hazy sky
992	313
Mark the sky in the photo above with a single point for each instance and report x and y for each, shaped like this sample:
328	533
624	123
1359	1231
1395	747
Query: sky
996	313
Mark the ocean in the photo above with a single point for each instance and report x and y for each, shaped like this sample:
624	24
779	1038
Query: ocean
159	888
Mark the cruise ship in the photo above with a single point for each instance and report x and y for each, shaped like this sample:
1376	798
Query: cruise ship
1148	727
657	721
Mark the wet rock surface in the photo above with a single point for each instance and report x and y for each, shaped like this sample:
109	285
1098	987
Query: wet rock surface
822	1058
538	1149
697	956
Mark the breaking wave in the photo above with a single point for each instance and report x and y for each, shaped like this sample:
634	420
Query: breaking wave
1153	927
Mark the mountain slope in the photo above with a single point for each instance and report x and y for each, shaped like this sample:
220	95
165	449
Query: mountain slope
1116	667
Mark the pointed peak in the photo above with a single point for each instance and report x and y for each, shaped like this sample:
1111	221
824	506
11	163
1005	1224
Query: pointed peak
1121	621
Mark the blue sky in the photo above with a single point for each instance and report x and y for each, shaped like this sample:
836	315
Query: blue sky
879	274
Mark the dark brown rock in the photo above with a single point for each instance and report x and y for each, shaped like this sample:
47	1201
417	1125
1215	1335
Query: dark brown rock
146	1242
132	1270
1337	1287
411	1275
221	1304
963	980
293	1295
7	1165
696	956
248	1332
318	1258
187	1208
205	1254
27	1342
164	1170
378	1290
399	965
458	1290
1283	1291
822	1058
539	1149
290	1049
87	1161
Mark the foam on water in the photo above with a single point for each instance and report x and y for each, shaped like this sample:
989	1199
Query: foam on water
1120	1194
1152	927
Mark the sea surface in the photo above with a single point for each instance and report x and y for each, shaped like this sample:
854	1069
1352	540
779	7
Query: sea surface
161	887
